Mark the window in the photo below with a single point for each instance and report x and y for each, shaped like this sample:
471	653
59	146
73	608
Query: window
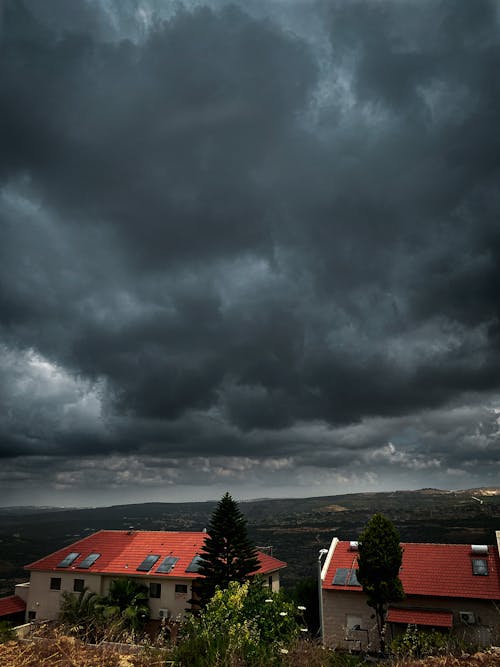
154	590
270	582
78	585
181	588
55	583
31	615
480	566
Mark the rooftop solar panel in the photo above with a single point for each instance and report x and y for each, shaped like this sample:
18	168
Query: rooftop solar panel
195	564
70	558
167	564
148	563
89	561
353	579
340	578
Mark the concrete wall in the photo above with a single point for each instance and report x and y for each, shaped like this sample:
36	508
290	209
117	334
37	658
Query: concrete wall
342	609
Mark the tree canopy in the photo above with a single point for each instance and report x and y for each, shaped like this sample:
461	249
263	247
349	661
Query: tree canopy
379	560
227	555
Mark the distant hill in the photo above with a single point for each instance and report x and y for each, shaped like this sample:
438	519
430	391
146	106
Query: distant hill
296	528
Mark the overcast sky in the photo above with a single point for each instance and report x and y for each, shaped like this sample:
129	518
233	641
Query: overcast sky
251	246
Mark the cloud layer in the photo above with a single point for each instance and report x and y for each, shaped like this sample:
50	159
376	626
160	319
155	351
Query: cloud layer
251	247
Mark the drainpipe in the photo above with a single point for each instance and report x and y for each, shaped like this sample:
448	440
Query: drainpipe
322	553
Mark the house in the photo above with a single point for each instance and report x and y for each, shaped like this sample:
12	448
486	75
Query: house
167	562
12	609
450	587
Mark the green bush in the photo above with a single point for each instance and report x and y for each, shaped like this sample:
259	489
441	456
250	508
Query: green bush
7	634
244	624
415	643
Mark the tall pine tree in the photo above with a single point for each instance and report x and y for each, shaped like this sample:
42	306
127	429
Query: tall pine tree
379	560
227	555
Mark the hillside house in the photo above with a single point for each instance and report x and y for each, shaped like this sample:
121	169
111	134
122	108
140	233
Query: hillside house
167	562
12	609
449	587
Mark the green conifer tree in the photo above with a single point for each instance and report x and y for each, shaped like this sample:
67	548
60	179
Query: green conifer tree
379	560
227	555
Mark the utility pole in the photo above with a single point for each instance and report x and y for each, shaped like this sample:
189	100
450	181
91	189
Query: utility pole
322	552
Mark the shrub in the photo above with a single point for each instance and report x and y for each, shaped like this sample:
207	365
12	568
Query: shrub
244	624
7	634
415	643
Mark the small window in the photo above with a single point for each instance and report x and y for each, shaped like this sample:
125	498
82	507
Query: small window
270	581
55	583
181	588
78	585
480	566
31	615
154	590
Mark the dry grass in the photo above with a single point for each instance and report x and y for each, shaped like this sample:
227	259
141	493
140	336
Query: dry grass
59	650
62	651
485	659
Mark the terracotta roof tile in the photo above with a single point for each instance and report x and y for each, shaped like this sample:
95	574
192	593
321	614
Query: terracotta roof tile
123	551
435	617
11	605
443	570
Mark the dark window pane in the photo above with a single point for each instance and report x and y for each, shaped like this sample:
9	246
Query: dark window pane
154	590
480	566
78	585
181	588
55	583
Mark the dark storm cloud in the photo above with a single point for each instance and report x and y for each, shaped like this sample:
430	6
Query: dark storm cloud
231	232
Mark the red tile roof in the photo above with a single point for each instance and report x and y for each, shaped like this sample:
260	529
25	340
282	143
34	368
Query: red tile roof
123	551
443	570
434	617
11	605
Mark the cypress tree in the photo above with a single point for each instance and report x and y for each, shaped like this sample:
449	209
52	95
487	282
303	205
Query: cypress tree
227	555
379	560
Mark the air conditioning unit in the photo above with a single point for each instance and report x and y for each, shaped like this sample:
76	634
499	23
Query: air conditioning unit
467	617
164	613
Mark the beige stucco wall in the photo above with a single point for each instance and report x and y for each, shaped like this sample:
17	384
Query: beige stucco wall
22	590
274	577
46	602
176	603
338	605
